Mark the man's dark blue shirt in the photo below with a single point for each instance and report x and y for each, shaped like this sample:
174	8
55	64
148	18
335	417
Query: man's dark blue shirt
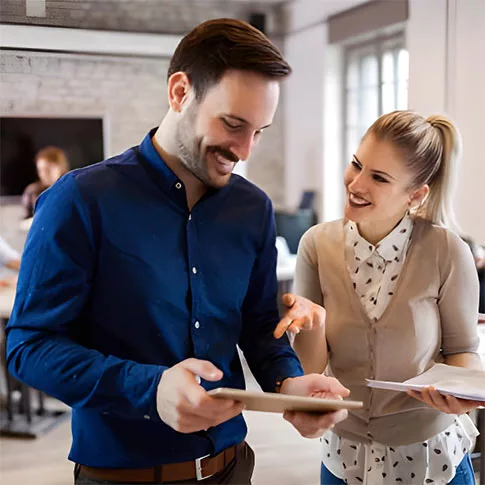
119	281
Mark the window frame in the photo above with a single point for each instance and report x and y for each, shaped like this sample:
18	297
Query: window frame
378	44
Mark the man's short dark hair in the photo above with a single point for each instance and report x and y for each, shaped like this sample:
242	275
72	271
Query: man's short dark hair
219	45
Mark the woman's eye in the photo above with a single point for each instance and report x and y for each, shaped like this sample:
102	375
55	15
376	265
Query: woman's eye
378	178
355	164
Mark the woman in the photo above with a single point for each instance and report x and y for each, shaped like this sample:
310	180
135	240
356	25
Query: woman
51	164
400	292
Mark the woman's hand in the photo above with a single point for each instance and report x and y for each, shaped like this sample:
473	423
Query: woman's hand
313	425
444	402
301	314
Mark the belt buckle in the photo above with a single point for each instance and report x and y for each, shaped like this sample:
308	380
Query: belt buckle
198	468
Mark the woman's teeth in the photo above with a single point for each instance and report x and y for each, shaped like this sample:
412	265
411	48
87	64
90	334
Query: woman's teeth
356	200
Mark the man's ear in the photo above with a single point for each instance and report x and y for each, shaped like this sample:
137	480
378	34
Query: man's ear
418	197
179	89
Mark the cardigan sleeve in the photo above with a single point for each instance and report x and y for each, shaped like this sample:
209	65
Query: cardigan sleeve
307	281
458	297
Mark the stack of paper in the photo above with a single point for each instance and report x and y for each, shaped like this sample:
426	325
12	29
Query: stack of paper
457	381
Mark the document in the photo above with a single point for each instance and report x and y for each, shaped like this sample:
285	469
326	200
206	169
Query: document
457	381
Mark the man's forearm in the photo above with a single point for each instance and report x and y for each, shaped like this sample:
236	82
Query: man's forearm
82	377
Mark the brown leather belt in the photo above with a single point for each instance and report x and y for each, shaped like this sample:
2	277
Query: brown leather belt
199	469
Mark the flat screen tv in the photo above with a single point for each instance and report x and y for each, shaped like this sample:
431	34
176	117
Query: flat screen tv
22	138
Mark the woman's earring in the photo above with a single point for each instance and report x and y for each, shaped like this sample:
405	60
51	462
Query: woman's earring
412	209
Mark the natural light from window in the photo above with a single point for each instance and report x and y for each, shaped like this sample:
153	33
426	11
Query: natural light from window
376	82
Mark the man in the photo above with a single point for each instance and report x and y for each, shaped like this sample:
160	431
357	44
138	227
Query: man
142	273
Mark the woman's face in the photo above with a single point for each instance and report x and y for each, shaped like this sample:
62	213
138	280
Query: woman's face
48	172
377	187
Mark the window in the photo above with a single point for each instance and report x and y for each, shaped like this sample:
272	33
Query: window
376	82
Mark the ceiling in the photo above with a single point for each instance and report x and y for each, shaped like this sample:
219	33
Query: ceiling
150	16
167	16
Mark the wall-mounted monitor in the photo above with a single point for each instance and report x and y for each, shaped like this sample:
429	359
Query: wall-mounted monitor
21	138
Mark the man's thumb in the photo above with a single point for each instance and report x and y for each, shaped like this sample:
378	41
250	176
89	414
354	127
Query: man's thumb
203	368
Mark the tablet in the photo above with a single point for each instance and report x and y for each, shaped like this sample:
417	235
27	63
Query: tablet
270	402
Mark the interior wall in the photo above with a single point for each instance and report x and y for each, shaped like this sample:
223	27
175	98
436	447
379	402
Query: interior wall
447	75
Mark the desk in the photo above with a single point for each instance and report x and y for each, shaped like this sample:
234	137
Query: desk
22	419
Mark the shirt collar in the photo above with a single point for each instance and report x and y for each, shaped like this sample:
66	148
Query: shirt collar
150	154
388	248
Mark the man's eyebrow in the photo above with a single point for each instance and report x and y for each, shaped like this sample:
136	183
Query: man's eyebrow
242	120
380	172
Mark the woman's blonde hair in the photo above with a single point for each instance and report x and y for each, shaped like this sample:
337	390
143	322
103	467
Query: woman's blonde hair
432	149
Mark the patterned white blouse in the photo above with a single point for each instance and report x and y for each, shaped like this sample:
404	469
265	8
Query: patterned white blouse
374	271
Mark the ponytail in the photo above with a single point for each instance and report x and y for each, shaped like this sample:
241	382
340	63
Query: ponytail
438	207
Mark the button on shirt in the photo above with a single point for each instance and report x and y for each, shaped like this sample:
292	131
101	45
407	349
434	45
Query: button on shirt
119	282
375	272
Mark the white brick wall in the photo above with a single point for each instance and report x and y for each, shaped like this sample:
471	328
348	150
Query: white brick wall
128	93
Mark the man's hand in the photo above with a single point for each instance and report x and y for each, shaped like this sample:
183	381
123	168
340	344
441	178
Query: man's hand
184	405
313	425
444	402
301	314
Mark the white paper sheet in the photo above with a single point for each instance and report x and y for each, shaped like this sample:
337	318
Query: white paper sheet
447	379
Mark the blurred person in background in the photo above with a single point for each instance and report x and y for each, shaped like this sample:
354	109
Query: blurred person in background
51	163
9	260
9	257
479	256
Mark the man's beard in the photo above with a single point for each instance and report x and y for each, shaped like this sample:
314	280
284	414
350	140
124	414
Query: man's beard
189	151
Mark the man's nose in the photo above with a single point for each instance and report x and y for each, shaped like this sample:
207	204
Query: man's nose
244	146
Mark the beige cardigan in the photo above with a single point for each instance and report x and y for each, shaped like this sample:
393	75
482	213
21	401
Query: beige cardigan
432	313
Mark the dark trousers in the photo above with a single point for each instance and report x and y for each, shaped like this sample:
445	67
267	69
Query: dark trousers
237	473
